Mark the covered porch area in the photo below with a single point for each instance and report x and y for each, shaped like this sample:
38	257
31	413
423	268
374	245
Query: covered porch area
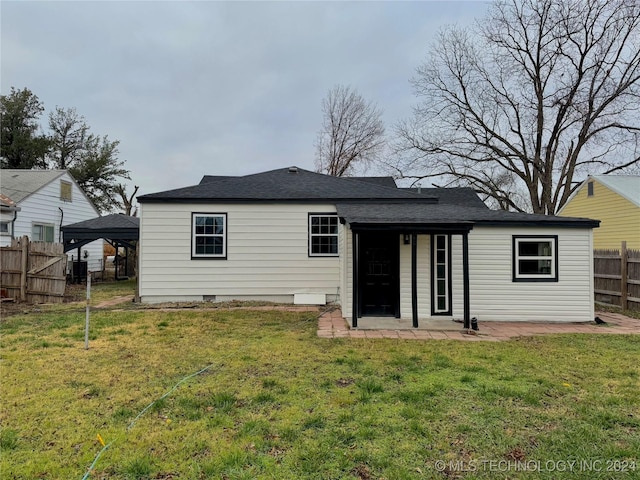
405	273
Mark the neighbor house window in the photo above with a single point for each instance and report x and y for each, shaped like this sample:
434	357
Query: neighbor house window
535	259
65	191
323	235
42	232
209	239
590	189
4	228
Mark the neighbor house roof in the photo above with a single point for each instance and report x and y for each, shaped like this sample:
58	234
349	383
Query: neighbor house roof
19	184
627	186
7	203
287	184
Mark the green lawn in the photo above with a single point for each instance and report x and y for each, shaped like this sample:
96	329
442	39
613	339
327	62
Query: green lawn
280	403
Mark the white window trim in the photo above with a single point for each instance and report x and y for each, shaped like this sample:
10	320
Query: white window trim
51	225
553	257
223	235
447	294
311	235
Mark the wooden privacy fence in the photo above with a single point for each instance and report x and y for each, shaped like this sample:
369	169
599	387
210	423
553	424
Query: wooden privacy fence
617	277
33	272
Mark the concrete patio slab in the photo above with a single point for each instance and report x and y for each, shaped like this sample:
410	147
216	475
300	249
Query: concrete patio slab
332	325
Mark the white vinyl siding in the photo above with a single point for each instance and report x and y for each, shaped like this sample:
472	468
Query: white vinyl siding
45	207
494	295
267	254
424	270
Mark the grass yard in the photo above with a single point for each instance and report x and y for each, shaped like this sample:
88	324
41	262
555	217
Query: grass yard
280	403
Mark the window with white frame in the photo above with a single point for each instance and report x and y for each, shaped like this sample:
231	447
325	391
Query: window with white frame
323	235
5	228
535	259
209	237
42	232
441	266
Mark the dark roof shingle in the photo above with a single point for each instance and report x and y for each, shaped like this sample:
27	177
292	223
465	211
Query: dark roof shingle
286	184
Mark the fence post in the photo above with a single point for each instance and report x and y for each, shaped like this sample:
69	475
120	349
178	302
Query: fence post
24	243
624	259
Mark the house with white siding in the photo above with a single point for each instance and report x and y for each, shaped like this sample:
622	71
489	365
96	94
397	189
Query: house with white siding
46	200
295	236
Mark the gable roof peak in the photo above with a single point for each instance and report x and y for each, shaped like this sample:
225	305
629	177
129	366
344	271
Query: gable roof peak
285	184
627	186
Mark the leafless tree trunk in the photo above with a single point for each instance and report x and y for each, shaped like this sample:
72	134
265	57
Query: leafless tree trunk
352	133
127	201
543	93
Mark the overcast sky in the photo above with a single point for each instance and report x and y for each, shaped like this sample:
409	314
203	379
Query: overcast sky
217	88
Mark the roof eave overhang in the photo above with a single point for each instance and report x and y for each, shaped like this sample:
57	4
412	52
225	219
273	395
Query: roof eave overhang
112	233
540	223
425	200
411	227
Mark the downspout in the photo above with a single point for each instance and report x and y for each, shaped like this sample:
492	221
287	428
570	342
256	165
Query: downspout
13	224
60	226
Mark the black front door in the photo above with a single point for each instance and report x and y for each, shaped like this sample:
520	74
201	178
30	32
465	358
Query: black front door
379	275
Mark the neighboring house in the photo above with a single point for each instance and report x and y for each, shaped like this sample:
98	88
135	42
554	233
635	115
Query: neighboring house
291	235
8	212
615	201
49	199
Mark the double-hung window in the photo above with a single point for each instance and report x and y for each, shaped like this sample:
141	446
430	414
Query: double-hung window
323	235
41	232
535	259
209	235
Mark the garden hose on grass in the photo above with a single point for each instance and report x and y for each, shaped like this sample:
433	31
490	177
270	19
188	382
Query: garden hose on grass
105	446
142	412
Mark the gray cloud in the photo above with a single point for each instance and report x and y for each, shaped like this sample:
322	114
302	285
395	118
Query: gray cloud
193	88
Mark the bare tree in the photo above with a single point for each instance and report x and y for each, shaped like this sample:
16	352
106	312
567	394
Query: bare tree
127	201
540	94
352	133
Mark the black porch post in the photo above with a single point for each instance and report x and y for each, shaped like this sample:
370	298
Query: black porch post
78	278
414	279
116	262
355	287
465	281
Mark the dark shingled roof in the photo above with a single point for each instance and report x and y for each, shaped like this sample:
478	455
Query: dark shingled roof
116	226
212	178
414	214
116	220
454	196
287	184
359	201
